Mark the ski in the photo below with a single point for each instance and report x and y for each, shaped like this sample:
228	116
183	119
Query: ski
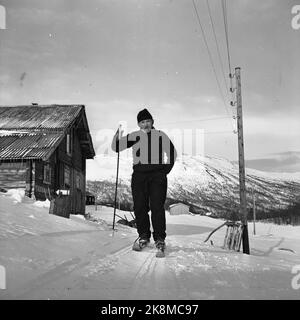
160	247
139	246
160	253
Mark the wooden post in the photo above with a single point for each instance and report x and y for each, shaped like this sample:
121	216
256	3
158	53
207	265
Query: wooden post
243	204
254	212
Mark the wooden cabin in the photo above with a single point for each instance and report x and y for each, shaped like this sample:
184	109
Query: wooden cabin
43	149
90	198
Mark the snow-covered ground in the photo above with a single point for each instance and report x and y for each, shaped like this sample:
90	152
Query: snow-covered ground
49	257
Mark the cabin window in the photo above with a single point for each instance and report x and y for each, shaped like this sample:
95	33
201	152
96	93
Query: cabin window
47	174
68	144
67	175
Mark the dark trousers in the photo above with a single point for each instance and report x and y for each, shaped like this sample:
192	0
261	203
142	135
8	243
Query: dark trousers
149	191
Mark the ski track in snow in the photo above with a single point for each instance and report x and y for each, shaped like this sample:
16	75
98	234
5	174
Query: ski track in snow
49	257
105	264
142	276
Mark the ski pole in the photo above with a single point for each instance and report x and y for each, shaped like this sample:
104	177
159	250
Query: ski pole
116	187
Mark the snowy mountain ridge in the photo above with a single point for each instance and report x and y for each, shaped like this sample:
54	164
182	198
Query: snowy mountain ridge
207	183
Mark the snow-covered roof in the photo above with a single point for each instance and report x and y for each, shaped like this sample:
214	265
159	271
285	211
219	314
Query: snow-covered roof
29	131
30	117
29	145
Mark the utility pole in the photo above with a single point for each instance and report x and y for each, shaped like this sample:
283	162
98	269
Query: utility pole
254	212
243	203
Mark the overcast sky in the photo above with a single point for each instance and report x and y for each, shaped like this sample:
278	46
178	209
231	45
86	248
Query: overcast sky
118	56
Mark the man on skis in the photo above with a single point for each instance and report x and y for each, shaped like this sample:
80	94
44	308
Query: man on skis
149	177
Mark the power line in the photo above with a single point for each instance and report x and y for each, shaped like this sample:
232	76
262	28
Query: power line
218	50
211	60
217	45
224	10
216	132
196	120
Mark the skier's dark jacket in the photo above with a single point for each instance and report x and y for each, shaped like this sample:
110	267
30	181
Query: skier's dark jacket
148	150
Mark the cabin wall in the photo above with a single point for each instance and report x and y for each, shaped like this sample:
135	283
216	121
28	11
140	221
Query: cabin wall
78	177
43	188
13	174
72	165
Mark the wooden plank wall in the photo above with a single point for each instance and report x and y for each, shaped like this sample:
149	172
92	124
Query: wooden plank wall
43	191
13	174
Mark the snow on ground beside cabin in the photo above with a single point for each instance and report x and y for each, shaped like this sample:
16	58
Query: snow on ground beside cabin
50	257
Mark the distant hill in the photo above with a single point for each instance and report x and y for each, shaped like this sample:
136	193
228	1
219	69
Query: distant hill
208	184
